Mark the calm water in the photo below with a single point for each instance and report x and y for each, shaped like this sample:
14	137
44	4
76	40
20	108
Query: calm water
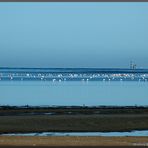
133	133
73	93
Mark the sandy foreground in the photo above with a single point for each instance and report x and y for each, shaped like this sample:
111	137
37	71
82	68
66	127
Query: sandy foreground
72	141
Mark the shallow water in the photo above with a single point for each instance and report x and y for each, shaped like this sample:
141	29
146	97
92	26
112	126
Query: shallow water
133	133
73	93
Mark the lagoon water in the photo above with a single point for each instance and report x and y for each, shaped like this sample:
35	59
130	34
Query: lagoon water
91	93
132	133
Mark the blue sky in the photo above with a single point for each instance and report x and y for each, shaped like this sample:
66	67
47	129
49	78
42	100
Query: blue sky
73	34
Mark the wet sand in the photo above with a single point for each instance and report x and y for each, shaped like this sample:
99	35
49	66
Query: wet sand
72	141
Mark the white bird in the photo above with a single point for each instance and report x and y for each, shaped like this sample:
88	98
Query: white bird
53	80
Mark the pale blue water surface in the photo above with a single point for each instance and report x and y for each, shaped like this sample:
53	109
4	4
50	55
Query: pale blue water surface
133	133
91	93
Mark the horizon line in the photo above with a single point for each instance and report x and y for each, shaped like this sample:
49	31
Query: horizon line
128	68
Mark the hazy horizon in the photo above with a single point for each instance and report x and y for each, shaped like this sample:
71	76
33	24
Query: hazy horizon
73	68
73	35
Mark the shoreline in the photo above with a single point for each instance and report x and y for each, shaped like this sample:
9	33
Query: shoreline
72	141
73	119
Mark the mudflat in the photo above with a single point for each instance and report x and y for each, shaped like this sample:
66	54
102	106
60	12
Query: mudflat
109	119
18	120
72	141
72	123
